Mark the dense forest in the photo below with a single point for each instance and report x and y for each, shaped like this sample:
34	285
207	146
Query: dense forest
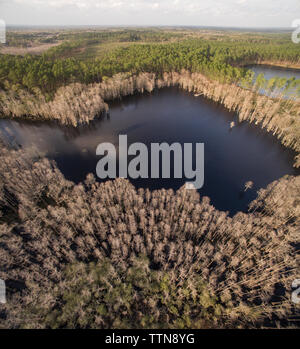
108	256
59	66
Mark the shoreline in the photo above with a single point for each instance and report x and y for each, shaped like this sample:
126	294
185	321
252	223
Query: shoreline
280	65
78	104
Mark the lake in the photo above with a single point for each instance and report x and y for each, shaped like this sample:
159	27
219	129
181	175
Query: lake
273	71
232	156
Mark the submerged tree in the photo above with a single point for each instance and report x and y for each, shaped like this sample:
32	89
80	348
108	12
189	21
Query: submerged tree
248	185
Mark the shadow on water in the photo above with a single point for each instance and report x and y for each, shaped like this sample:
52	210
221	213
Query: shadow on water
233	156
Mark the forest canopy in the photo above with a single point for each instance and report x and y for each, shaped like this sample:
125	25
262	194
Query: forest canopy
109	256
145	51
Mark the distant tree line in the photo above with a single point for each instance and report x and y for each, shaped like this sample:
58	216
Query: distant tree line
216	60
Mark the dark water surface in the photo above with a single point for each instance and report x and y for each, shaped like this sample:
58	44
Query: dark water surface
232	156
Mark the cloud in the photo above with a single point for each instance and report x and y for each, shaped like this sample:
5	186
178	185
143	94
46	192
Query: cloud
216	12
160	6
183	6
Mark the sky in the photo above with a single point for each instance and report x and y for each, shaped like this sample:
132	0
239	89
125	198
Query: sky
219	13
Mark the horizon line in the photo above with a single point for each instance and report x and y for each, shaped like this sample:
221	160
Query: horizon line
146	26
